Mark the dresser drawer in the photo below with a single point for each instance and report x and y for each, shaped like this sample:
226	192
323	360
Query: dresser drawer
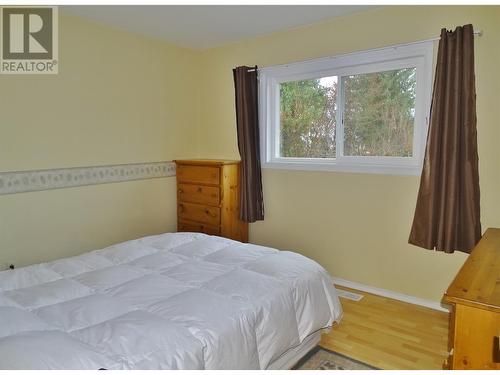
199	213
196	227
475	342
208	198
198	194
198	174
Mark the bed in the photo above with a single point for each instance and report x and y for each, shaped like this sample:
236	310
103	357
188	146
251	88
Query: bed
170	301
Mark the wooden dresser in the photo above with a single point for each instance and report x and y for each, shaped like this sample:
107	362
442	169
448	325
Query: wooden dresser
208	198
475	317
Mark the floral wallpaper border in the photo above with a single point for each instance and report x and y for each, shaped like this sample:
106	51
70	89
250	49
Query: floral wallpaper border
38	180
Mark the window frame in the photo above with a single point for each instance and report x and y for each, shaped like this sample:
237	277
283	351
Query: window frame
415	55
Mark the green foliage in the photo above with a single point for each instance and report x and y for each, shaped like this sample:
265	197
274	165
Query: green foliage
378	115
307	119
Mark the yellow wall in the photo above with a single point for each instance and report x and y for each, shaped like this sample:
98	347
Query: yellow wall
121	98
118	98
357	225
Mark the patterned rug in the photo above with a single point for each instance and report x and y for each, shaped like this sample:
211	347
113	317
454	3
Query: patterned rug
323	359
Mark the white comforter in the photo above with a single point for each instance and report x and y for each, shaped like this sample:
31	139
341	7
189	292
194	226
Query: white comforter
172	301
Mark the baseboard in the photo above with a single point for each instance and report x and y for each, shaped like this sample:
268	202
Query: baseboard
390	294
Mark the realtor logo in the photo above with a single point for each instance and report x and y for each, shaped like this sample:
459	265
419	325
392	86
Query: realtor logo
29	40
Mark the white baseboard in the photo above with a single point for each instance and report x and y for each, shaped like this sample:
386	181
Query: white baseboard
390	294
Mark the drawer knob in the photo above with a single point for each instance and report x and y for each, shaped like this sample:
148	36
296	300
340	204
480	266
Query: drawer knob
199	190
180	191
207	211
181	208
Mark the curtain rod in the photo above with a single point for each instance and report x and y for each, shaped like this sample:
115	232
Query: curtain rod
476	33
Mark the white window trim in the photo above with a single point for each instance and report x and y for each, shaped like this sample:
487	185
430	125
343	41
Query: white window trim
417	55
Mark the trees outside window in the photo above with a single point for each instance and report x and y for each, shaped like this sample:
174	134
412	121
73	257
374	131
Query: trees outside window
328	114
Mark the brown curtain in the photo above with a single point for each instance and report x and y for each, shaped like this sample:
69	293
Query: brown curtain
247	120
447	212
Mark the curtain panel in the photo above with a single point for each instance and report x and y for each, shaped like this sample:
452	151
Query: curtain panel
247	121
447	213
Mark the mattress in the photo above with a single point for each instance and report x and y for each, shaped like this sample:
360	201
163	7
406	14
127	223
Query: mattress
171	301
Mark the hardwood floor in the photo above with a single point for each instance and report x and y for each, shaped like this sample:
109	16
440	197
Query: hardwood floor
390	334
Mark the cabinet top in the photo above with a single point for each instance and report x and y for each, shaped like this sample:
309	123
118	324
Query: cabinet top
205	162
478	281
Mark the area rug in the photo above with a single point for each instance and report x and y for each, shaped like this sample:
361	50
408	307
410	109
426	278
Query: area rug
324	359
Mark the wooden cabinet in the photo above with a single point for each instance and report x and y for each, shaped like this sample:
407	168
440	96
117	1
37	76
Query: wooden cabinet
208	198
474	296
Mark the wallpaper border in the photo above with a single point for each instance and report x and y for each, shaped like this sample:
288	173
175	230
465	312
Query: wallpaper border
48	179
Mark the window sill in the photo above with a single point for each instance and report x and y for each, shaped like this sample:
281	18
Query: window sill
331	166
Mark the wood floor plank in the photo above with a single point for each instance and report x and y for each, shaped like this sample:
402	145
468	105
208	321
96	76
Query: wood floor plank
390	334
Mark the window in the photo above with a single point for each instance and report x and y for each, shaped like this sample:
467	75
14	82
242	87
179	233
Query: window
360	112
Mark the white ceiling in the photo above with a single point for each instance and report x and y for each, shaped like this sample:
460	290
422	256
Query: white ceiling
207	26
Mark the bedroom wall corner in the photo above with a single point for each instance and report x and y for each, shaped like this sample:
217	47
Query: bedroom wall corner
119	98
